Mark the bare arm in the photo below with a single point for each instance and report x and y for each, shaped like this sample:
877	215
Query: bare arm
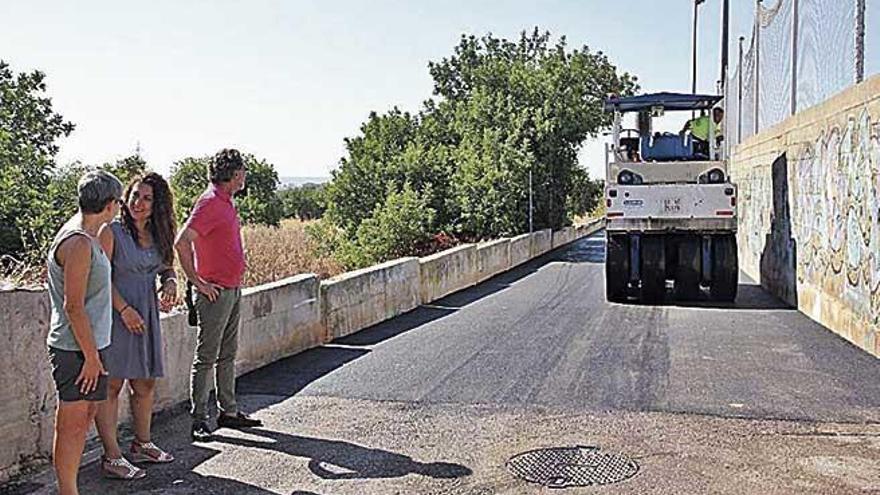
130	316
184	247
75	256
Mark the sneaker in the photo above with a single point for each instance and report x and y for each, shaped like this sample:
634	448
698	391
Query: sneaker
148	452
121	469
239	420
201	432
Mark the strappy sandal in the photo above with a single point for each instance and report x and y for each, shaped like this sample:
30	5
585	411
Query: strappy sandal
121	469
149	452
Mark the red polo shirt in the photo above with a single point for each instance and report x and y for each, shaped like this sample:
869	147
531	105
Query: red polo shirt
219	257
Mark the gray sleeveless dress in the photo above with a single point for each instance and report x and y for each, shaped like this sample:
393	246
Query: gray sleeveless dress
134	276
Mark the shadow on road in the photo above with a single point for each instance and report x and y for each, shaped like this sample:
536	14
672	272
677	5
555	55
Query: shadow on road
338	460
176	478
749	297
588	250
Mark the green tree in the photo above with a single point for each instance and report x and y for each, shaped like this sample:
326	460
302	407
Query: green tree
585	194
533	103
373	162
29	129
189	179
127	168
259	203
502	110
305	202
396	228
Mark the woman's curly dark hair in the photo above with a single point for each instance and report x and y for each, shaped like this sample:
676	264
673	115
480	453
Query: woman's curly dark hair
161	223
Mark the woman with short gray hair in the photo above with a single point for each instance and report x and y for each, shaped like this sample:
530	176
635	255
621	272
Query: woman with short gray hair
82	316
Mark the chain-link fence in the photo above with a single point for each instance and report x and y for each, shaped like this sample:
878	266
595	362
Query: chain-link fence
801	52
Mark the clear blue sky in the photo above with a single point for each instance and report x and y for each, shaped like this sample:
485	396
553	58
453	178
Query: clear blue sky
288	80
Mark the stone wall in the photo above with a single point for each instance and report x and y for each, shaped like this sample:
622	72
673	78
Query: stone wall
809	214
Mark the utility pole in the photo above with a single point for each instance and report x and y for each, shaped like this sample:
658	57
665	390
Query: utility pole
531	205
725	39
739	93
694	53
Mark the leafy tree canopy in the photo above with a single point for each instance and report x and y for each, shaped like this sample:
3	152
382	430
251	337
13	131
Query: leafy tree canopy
501	110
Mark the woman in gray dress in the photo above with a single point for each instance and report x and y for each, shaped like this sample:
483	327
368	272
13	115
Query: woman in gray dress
140	248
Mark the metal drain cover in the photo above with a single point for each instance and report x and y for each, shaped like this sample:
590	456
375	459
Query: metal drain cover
563	467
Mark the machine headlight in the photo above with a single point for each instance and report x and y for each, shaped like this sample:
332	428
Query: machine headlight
629	178
715	176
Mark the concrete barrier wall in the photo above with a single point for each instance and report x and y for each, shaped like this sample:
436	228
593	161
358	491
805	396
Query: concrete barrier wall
520	249
809	214
26	389
356	300
542	241
278	320
492	258
447	271
562	237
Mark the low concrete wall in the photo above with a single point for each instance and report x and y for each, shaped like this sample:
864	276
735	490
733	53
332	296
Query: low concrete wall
492	258
520	249
278	320
26	390
356	300
542	241
809	214
562	237
447	271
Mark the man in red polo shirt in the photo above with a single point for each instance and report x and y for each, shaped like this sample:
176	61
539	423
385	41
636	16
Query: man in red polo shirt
210	251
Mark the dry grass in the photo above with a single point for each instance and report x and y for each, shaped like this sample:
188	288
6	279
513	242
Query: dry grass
272	254
277	253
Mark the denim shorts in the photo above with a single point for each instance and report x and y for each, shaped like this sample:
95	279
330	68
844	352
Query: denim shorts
66	366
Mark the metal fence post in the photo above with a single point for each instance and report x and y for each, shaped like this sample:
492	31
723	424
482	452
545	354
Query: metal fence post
860	40
739	96
757	64
795	20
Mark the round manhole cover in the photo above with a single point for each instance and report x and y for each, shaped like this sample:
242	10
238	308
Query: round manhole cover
561	467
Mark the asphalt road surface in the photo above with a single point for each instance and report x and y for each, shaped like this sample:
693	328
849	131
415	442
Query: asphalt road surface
751	397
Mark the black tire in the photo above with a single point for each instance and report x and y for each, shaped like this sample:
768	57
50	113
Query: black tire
687	271
725	268
616	267
653	268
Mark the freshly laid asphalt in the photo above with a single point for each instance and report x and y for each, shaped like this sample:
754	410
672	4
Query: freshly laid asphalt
751	397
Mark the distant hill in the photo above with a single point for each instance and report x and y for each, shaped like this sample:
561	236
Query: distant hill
287	182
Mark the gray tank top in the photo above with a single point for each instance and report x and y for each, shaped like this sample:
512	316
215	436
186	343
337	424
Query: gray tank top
98	300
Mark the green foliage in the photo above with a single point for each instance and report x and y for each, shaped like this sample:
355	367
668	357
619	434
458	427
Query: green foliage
126	169
305	202
398	227
29	129
395	229
189	178
259	204
502	109
585	194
